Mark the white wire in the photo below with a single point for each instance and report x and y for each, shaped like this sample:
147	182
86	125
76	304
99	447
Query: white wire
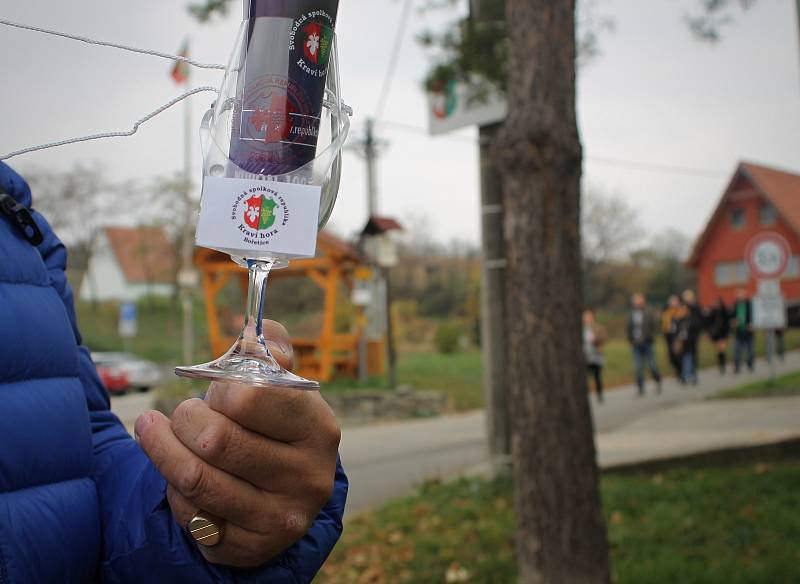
114	45
131	132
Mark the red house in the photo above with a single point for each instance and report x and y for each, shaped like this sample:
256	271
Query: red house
758	199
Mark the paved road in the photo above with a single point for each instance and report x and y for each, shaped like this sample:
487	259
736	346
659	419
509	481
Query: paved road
128	407
388	460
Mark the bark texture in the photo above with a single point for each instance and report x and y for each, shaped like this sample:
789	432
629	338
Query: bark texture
561	537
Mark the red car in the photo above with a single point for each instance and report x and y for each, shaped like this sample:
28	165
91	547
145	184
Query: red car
115	380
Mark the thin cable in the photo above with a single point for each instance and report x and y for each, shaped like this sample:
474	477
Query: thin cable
652	167
131	132
398	43
631	164
114	45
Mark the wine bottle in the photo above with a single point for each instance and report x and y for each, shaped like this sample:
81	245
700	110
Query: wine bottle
284	67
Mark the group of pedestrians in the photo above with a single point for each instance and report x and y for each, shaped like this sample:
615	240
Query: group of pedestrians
682	324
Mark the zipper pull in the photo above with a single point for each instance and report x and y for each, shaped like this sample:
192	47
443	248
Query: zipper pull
21	217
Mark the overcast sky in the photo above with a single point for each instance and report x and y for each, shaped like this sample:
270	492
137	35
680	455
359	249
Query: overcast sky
654	95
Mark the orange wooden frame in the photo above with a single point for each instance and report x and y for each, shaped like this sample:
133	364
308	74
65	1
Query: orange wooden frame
320	358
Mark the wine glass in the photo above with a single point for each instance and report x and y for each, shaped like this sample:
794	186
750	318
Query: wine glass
272	147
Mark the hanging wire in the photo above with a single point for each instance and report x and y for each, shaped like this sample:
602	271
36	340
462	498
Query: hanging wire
113	45
130	132
390	70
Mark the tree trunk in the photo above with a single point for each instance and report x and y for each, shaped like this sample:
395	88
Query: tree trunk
561	536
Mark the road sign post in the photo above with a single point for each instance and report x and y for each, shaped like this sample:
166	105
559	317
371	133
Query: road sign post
127	323
768	257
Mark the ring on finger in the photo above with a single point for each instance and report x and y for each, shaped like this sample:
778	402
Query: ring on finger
203	530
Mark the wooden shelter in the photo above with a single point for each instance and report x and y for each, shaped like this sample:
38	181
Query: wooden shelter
317	358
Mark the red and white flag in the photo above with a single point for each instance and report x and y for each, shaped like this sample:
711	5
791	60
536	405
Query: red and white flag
180	72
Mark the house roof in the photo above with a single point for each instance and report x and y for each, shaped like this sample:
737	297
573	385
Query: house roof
328	245
145	254
779	187
333	245
377	225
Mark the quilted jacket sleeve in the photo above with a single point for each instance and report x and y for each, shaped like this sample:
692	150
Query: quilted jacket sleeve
141	540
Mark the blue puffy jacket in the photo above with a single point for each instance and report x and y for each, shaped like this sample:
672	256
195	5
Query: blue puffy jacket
79	500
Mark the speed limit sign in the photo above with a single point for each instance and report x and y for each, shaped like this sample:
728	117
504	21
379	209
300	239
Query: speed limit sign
768	255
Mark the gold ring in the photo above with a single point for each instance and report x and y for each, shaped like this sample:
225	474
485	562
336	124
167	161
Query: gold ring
204	531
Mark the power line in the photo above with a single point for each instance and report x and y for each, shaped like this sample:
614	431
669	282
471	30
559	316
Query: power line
90	41
398	43
603	160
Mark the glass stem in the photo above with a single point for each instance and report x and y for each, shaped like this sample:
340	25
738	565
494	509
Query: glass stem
259	273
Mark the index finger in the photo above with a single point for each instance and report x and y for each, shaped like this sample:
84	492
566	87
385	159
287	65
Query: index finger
286	415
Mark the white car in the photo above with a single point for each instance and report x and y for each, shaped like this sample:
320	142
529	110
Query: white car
141	374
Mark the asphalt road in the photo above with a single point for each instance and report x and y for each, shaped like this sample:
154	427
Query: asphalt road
388	460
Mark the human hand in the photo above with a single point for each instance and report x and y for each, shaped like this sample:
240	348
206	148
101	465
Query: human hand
258	462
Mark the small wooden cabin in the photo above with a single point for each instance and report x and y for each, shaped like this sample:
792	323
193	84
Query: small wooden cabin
323	357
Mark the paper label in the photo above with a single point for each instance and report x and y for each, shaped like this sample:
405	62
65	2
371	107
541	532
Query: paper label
259	217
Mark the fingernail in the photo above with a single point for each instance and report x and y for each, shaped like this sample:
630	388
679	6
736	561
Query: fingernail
142	423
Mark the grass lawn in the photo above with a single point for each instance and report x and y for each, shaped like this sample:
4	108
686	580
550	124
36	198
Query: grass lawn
159	334
461	375
728	525
784	385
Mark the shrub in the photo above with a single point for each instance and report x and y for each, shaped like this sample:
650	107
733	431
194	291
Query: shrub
448	338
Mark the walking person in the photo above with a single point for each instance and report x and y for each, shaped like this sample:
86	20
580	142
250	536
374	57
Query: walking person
719	329
669	327
594	337
694	328
689	328
743	331
641	335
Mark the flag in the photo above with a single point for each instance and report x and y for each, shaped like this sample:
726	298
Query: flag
180	72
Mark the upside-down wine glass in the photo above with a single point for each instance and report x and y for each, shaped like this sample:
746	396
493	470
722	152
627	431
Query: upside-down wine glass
272	147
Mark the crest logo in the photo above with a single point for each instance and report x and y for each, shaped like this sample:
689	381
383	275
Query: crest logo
318	43
259	212
311	42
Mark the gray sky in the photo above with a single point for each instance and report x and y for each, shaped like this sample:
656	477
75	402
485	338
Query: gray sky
654	95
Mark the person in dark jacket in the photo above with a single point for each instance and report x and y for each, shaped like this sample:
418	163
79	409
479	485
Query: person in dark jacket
743	332
669	327
690	328
719	329
82	502
641	335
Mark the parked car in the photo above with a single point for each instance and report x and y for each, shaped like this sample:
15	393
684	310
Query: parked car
114	379
141	374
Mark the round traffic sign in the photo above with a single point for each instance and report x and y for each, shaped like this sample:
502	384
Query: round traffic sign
768	255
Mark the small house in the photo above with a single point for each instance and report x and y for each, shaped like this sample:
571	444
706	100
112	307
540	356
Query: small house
758	199
129	263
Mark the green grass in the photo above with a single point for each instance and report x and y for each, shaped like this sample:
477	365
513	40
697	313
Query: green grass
459	375
729	525
784	385
159	334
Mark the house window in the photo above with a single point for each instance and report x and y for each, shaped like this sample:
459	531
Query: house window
737	218
767	214
731	273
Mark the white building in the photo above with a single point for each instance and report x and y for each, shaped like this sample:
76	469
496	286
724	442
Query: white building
128	264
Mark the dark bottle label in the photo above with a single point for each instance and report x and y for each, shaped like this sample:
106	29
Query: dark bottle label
289	45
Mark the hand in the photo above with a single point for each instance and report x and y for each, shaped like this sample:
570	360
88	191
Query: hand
258	462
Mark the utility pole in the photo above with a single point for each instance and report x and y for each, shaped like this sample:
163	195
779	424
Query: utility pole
186	274
369	148
371	159
493	297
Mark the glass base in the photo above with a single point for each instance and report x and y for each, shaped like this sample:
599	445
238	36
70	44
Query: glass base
248	363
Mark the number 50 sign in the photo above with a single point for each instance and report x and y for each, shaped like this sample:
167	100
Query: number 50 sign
768	255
